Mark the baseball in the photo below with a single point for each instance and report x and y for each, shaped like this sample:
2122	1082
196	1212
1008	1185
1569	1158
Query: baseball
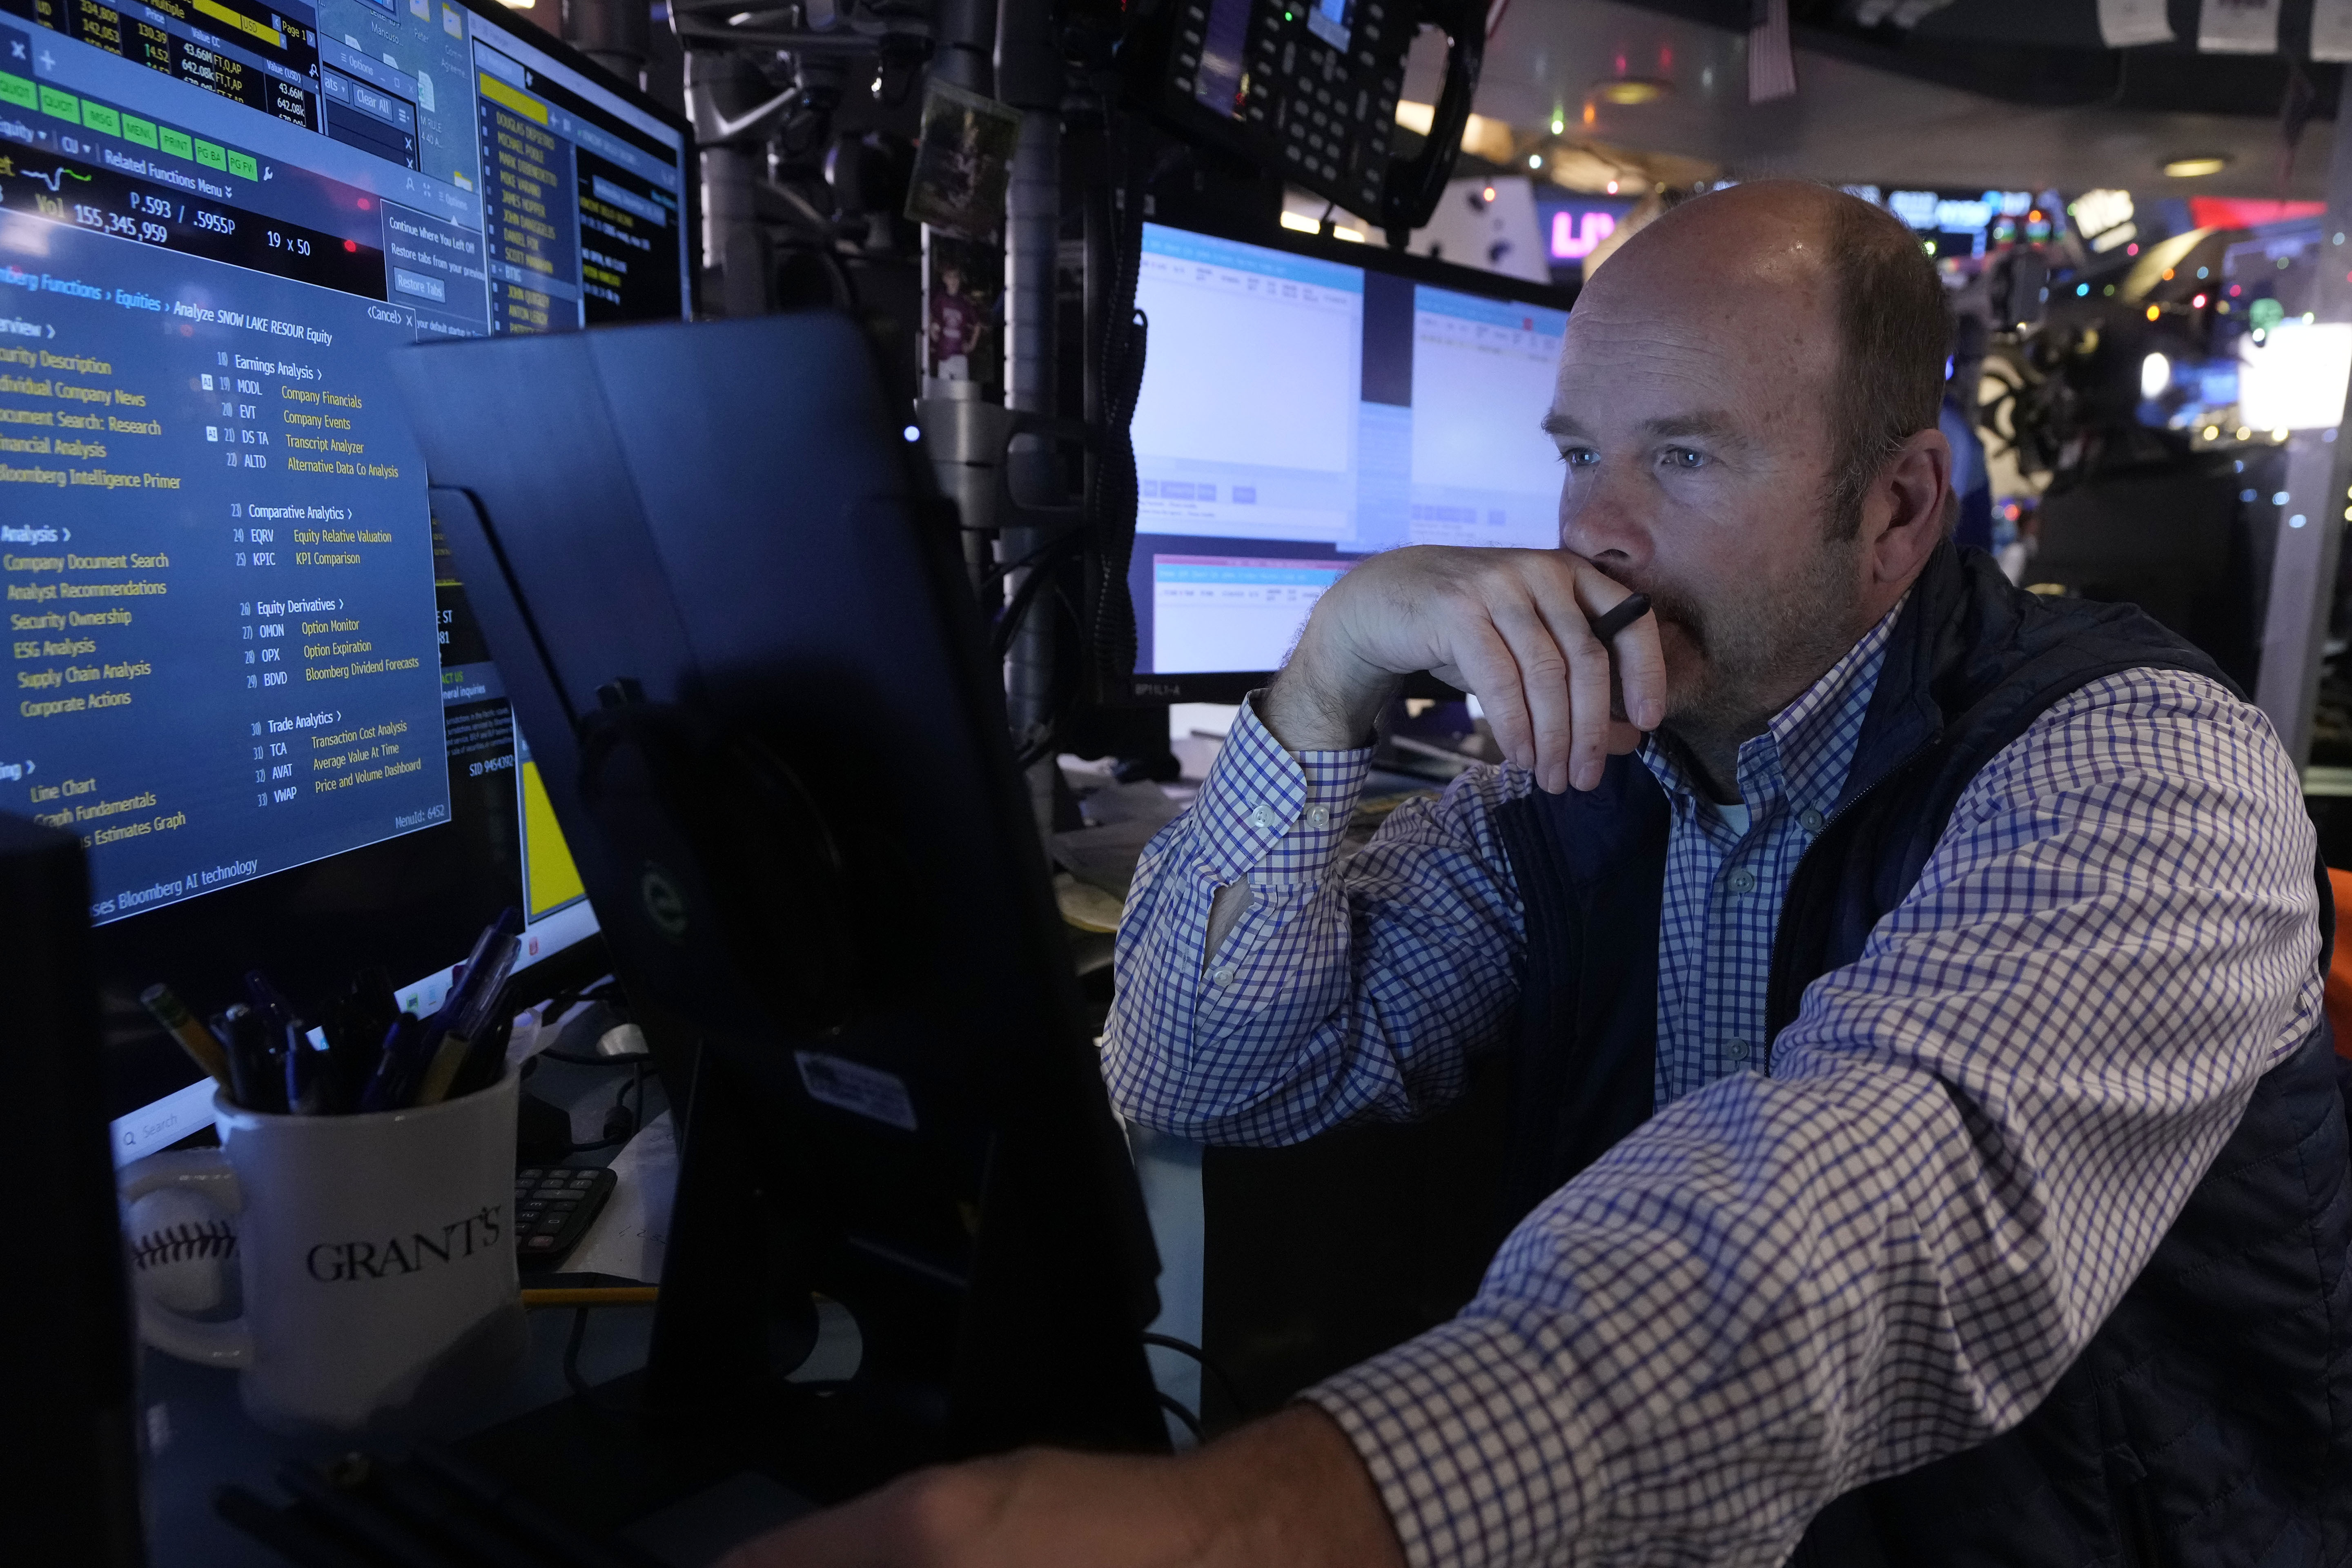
180	1246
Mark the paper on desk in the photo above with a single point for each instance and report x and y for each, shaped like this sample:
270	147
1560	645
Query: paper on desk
1122	818
630	1237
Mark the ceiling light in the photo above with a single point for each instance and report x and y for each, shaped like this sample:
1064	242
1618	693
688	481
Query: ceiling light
2195	167
1559	124
1626	90
2155	374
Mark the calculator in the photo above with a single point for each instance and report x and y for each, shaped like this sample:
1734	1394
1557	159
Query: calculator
554	1207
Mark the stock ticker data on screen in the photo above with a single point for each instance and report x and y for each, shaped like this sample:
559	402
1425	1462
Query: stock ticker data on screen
217	219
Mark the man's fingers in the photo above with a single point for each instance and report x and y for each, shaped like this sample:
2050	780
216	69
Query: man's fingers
1587	664
1634	649
1485	665
1545	673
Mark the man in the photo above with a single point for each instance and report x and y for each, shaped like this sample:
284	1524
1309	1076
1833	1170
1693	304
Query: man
1875	1021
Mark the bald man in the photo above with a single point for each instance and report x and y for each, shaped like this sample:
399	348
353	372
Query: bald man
1923	1124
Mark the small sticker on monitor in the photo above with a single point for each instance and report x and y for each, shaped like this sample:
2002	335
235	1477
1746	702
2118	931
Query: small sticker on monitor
853	1086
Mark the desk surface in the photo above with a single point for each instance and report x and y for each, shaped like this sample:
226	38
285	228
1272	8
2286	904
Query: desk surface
199	1438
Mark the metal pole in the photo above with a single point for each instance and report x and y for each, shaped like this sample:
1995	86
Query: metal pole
734	248
967	45
962	430
1029	76
615	33
2319	494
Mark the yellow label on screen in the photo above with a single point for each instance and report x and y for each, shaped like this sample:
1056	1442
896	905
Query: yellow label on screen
550	878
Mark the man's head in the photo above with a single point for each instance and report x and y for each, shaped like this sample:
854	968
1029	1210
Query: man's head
1746	407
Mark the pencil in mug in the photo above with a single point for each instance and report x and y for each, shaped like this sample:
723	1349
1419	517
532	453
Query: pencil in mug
166	1008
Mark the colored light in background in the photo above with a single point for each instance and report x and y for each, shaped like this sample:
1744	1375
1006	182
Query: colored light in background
1574	236
2244	212
1630	90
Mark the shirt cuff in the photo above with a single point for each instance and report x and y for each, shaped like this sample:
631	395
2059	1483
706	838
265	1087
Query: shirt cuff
1265	811
1465	1439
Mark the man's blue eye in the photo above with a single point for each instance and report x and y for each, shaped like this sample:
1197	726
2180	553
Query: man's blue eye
1685	458
1580	457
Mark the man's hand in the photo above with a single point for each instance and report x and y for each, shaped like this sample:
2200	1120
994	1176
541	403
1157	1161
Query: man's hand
1511	627
1285	1492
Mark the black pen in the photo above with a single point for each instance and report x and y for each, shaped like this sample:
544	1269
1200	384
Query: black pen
356	1023
484	1060
306	1078
394	1079
1628	610
288	1045
472	1004
257	1077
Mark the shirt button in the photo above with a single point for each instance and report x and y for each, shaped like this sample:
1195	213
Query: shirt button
1319	817
1739	1050
1810	820
1263	817
1222	975
1743	880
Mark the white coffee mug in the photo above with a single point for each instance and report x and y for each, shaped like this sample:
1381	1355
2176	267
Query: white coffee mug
377	1258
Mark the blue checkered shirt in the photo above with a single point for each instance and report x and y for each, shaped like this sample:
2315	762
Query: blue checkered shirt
1783	1285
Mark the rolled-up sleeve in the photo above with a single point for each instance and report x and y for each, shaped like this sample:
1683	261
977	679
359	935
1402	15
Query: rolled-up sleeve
1353	988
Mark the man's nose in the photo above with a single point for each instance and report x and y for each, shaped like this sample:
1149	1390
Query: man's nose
1605	518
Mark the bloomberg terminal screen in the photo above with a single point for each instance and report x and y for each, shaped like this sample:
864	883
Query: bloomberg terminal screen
216	219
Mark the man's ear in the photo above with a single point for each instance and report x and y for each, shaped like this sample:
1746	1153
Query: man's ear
1912	508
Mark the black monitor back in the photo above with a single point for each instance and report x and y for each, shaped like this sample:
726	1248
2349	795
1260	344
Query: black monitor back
69	1492
736	634
2189	541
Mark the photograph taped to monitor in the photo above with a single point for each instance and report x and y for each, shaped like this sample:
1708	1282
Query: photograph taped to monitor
963	162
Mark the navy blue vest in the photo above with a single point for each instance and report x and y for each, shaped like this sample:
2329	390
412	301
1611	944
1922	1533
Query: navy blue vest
2209	1419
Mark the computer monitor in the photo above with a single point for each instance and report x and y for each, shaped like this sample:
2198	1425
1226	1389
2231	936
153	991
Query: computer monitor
1304	406
243	675
736	630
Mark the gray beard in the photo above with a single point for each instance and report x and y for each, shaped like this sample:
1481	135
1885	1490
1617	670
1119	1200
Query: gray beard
1757	656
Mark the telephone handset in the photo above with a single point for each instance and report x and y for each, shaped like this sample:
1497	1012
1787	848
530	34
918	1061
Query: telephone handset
1308	90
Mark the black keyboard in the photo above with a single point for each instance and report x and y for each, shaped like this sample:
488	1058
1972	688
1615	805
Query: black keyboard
554	1207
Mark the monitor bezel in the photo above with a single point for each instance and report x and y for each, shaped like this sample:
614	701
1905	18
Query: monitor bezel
1133	690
